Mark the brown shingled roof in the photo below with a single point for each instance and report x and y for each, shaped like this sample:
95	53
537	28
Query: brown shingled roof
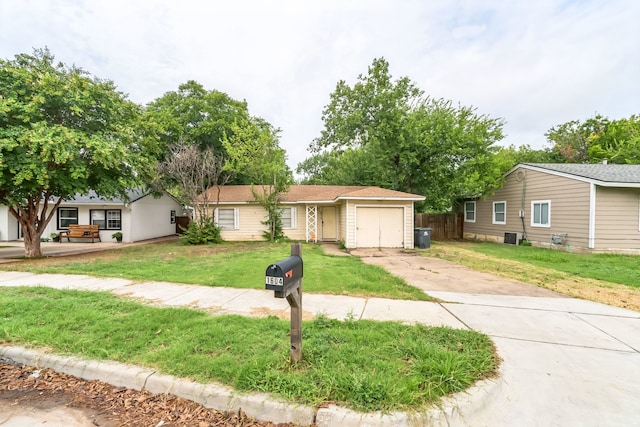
312	193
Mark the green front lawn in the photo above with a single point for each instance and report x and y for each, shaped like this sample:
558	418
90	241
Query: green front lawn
363	365
238	265
613	268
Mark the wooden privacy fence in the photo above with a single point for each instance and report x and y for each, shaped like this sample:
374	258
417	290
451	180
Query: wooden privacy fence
182	223
443	226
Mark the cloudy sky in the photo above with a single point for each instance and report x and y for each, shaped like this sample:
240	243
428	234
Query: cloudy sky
536	64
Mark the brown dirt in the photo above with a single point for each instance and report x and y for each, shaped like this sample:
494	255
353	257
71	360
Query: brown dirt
109	406
598	291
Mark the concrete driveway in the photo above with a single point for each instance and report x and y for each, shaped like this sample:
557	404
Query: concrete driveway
566	362
437	275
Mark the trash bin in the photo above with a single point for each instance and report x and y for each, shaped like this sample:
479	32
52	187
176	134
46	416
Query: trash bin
422	238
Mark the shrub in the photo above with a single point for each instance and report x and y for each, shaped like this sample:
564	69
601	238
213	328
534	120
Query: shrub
273	222
202	233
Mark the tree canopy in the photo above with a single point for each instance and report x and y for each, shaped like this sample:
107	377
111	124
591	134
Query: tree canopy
508	157
596	139
196	116
245	148
254	150
389	133
63	132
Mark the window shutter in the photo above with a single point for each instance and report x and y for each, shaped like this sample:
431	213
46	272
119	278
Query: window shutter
294	218
236	218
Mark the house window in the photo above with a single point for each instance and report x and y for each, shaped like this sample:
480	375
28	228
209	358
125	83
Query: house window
67	216
227	218
541	213
499	212
173	217
107	219
288	218
469	211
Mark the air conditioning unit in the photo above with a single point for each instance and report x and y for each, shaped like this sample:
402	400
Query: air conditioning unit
512	238
559	238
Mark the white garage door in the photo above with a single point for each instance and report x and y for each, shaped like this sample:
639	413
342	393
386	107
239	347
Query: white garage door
379	227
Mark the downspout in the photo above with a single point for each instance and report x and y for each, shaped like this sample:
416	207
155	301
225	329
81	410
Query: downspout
521	213
592	216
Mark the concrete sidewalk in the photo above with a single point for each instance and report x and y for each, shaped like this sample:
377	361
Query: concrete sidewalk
566	361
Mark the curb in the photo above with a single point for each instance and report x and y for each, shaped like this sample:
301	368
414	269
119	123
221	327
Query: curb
259	406
452	411
459	409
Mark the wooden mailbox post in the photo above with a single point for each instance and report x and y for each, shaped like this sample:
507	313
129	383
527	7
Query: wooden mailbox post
285	279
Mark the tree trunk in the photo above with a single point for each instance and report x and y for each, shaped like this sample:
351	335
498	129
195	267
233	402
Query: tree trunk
32	246
33	218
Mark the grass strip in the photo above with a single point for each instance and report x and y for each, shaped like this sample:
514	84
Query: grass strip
363	365
612	268
237	265
512	262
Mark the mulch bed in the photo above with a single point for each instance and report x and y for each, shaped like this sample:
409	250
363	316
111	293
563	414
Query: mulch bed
110	406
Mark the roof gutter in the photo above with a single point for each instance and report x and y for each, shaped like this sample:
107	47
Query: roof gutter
578	177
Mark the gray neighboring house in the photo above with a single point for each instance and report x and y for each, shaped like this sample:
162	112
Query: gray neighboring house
142	217
573	206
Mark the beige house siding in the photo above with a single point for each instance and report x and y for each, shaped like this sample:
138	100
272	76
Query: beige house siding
300	230
313	199
250	225
569	209
408	222
341	217
617	219
350	224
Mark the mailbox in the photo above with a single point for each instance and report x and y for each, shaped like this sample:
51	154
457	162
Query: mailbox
283	276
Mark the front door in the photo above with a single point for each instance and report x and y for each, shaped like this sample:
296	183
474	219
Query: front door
329	229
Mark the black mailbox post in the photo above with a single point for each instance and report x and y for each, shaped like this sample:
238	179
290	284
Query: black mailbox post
284	276
285	279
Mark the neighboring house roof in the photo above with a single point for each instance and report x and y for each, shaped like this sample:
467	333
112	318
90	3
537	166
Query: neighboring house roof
92	198
310	194
602	174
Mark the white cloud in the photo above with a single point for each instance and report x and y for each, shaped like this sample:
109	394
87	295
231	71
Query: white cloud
535	64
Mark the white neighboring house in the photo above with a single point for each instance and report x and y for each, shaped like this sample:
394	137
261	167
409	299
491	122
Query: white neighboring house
143	217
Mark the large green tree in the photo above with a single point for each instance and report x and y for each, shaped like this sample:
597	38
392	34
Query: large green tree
196	116
63	132
510	156
595	139
386	132
245	149
254	150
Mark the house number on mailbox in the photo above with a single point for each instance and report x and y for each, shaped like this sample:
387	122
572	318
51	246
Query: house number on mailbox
274	281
